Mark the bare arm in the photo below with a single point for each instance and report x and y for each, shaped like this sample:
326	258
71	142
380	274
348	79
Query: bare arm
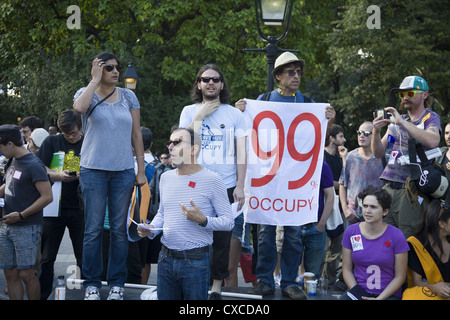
377	143
241	168
429	138
329	196
81	104
45	190
442	289
347	268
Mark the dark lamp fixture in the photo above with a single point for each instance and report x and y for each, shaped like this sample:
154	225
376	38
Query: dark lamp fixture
131	77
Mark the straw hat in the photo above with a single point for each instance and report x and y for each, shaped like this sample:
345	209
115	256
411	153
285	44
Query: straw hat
286	58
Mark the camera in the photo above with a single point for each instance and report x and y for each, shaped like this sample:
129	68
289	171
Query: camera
381	112
72	173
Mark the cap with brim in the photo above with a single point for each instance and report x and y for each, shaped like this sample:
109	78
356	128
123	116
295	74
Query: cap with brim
9	132
284	59
412	83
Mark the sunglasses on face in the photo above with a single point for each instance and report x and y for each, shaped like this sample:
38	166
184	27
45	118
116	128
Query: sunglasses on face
208	79
408	94
292	73
366	133
110	67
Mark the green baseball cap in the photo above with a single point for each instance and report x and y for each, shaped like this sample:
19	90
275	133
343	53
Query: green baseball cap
412	83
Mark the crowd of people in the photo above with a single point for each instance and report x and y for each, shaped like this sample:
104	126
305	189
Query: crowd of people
393	241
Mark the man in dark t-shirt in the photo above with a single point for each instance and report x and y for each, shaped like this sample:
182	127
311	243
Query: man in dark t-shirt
70	215
26	192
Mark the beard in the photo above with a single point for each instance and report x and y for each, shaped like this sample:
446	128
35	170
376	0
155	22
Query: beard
208	95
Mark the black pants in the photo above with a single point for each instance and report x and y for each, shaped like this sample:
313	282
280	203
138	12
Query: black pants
52	233
221	249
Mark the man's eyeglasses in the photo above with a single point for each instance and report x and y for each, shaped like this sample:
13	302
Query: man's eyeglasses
71	134
110	67
165	158
292	73
408	94
208	79
366	133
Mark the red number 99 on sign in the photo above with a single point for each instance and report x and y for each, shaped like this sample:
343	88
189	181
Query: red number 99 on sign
278	150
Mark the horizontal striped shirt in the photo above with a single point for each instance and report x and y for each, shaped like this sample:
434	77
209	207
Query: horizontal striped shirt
207	190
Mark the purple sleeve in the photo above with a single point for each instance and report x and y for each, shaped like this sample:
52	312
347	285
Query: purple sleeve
401	245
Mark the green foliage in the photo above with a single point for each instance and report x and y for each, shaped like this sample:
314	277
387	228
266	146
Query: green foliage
353	67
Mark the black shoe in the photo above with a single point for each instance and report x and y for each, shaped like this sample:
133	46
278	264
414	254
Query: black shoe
215	296
264	289
293	292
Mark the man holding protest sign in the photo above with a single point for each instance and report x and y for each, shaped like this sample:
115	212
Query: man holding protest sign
290	203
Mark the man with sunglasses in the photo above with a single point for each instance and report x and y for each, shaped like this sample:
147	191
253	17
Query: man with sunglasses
222	132
287	73
424	126
360	170
194	204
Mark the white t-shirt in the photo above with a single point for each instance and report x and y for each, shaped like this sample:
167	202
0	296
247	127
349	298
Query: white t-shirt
218	133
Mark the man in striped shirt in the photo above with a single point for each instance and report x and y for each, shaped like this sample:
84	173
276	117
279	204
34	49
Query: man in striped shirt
194	203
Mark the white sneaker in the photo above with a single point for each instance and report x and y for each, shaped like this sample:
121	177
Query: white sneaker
92	293
116	293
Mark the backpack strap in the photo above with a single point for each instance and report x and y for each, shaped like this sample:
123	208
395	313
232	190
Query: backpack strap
266	96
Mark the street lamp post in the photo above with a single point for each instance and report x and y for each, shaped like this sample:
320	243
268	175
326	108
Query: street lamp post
131	77
272	13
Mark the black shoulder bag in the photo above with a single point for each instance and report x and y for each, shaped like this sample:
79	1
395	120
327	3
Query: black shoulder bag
105	98
428	176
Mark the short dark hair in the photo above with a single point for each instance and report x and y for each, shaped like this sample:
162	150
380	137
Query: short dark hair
334	131
32	122
68	119
383	197
147	137
197	95
195	138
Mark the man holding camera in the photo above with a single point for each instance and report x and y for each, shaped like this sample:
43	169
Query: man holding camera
419	123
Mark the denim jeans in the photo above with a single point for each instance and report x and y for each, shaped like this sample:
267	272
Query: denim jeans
99	187
267	255
313	245
19	246
183	279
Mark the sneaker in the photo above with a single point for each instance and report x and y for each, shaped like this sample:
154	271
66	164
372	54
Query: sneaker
92	293
116	293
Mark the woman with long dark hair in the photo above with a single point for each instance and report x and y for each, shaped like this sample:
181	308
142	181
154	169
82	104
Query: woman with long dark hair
428	260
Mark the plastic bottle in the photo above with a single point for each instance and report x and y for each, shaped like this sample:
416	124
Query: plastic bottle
60	290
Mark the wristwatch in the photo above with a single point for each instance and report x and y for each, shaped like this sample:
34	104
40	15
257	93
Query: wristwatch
204	223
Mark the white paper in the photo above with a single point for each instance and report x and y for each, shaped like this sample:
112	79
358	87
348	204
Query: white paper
52	209
235	211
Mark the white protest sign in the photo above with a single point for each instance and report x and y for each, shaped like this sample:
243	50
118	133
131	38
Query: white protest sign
284	161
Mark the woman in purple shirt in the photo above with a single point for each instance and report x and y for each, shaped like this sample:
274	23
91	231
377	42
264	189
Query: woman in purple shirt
374	254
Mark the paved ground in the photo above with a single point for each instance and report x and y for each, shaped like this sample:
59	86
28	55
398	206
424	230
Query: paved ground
65	263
